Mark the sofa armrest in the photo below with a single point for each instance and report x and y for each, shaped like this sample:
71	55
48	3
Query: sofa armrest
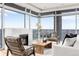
65	51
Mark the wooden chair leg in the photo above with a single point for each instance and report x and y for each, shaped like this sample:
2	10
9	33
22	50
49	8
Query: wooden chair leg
7	52
34	51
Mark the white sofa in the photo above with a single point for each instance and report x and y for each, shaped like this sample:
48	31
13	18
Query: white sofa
65	51
60	50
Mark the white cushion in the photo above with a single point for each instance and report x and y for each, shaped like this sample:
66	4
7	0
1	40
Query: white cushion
78	37
27	47
65	51
76	45
69	41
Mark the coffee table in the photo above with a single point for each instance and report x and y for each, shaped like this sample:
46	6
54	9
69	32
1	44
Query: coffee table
39	46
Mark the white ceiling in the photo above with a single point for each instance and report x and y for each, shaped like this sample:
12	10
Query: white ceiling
45	7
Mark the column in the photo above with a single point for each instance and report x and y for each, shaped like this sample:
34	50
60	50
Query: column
58	25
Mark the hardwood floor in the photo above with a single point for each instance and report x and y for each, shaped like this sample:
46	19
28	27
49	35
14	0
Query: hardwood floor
3	52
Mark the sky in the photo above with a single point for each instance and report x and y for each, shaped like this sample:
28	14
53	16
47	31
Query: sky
16	20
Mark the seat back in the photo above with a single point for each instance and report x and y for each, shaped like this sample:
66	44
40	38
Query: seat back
15	46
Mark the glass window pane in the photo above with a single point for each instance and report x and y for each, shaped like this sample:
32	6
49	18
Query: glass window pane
47	26
68	25
47	23
33	22
68	22
27	21
33	25
13	19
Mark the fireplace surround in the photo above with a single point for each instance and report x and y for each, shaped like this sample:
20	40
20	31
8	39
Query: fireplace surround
24	38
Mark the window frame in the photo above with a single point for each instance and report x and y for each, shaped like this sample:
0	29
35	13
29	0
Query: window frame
14	12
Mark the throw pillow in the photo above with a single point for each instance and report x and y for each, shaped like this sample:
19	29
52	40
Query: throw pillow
69	41
66	36
73	35
69	36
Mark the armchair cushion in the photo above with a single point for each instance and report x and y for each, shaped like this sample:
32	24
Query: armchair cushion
28	49
16	47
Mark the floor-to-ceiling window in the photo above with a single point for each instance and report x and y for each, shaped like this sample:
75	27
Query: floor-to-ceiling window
13	19
68	24
47	26
33	22
33	26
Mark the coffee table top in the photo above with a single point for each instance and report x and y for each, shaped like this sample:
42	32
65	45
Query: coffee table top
41	43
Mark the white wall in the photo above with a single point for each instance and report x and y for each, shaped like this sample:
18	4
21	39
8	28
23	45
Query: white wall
17	31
